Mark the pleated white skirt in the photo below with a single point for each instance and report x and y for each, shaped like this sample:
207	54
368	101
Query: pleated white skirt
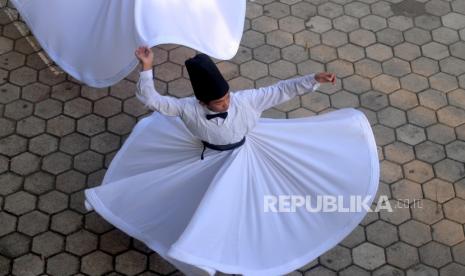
209	215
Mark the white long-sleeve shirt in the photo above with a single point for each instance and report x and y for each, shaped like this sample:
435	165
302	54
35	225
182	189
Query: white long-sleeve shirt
245	107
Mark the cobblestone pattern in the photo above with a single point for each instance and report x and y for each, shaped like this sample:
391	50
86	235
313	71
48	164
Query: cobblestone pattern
402	63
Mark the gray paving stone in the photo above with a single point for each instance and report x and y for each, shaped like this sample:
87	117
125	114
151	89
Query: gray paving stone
443	82
114	242
14	245
346	23
8	223
323	53
368	256
415	233
337	258
410	134
418	171
63	264
18	109
448	232
398	215
435	254
379	52
20	203
430	152
318	24
454	209
402	255
25	163
452	269
30	126
96	263
81	242
381	233
28	264
399	152
33	223
392	117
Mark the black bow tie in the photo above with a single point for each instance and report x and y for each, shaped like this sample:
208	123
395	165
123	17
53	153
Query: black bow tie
222	115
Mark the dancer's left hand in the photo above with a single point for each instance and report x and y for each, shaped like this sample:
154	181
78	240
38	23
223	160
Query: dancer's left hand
323	77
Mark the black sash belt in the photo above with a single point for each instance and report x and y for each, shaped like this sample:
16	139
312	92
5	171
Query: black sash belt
221	147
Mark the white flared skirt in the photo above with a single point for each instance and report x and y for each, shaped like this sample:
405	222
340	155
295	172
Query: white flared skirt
94	40
240	211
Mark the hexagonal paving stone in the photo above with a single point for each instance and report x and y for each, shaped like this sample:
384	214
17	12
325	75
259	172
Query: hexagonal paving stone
389	36
282	69
53	202
383	135
78	107
430	152
88	161
60	125
399	152
20	203
48	108
392	117
43	144
418	171
379	52
432	99
449	169
415	233
131	262
114	242
65	91
14	245
362	37
454	210
403	99
373	23
56	162
435	254
25	163
39	183
398	215
346	23
33	223
18	109
448	232
456	151
337	258
381	233
63	264
368	256
407	191
319	24
458	252
96	263
23	76
254	69
81	242
70	181
28	264
9	183
293	53
8	223
430	212
66	222
107	107
402	255
30	126
323	53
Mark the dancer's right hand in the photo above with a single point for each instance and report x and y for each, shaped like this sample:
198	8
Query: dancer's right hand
145	56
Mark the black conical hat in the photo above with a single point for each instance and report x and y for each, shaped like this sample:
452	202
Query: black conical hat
206	79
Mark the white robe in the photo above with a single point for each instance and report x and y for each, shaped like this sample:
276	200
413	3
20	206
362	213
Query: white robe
208	215
94	40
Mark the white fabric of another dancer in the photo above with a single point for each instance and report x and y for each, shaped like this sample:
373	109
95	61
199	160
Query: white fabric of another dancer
94	40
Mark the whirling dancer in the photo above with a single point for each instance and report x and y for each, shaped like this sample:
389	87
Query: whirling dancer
201	180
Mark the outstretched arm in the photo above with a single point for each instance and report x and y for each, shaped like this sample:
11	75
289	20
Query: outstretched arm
284	90
146	92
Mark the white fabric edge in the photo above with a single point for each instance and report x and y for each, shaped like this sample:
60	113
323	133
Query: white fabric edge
132	65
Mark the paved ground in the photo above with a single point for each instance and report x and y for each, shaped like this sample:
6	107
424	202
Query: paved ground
402	64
